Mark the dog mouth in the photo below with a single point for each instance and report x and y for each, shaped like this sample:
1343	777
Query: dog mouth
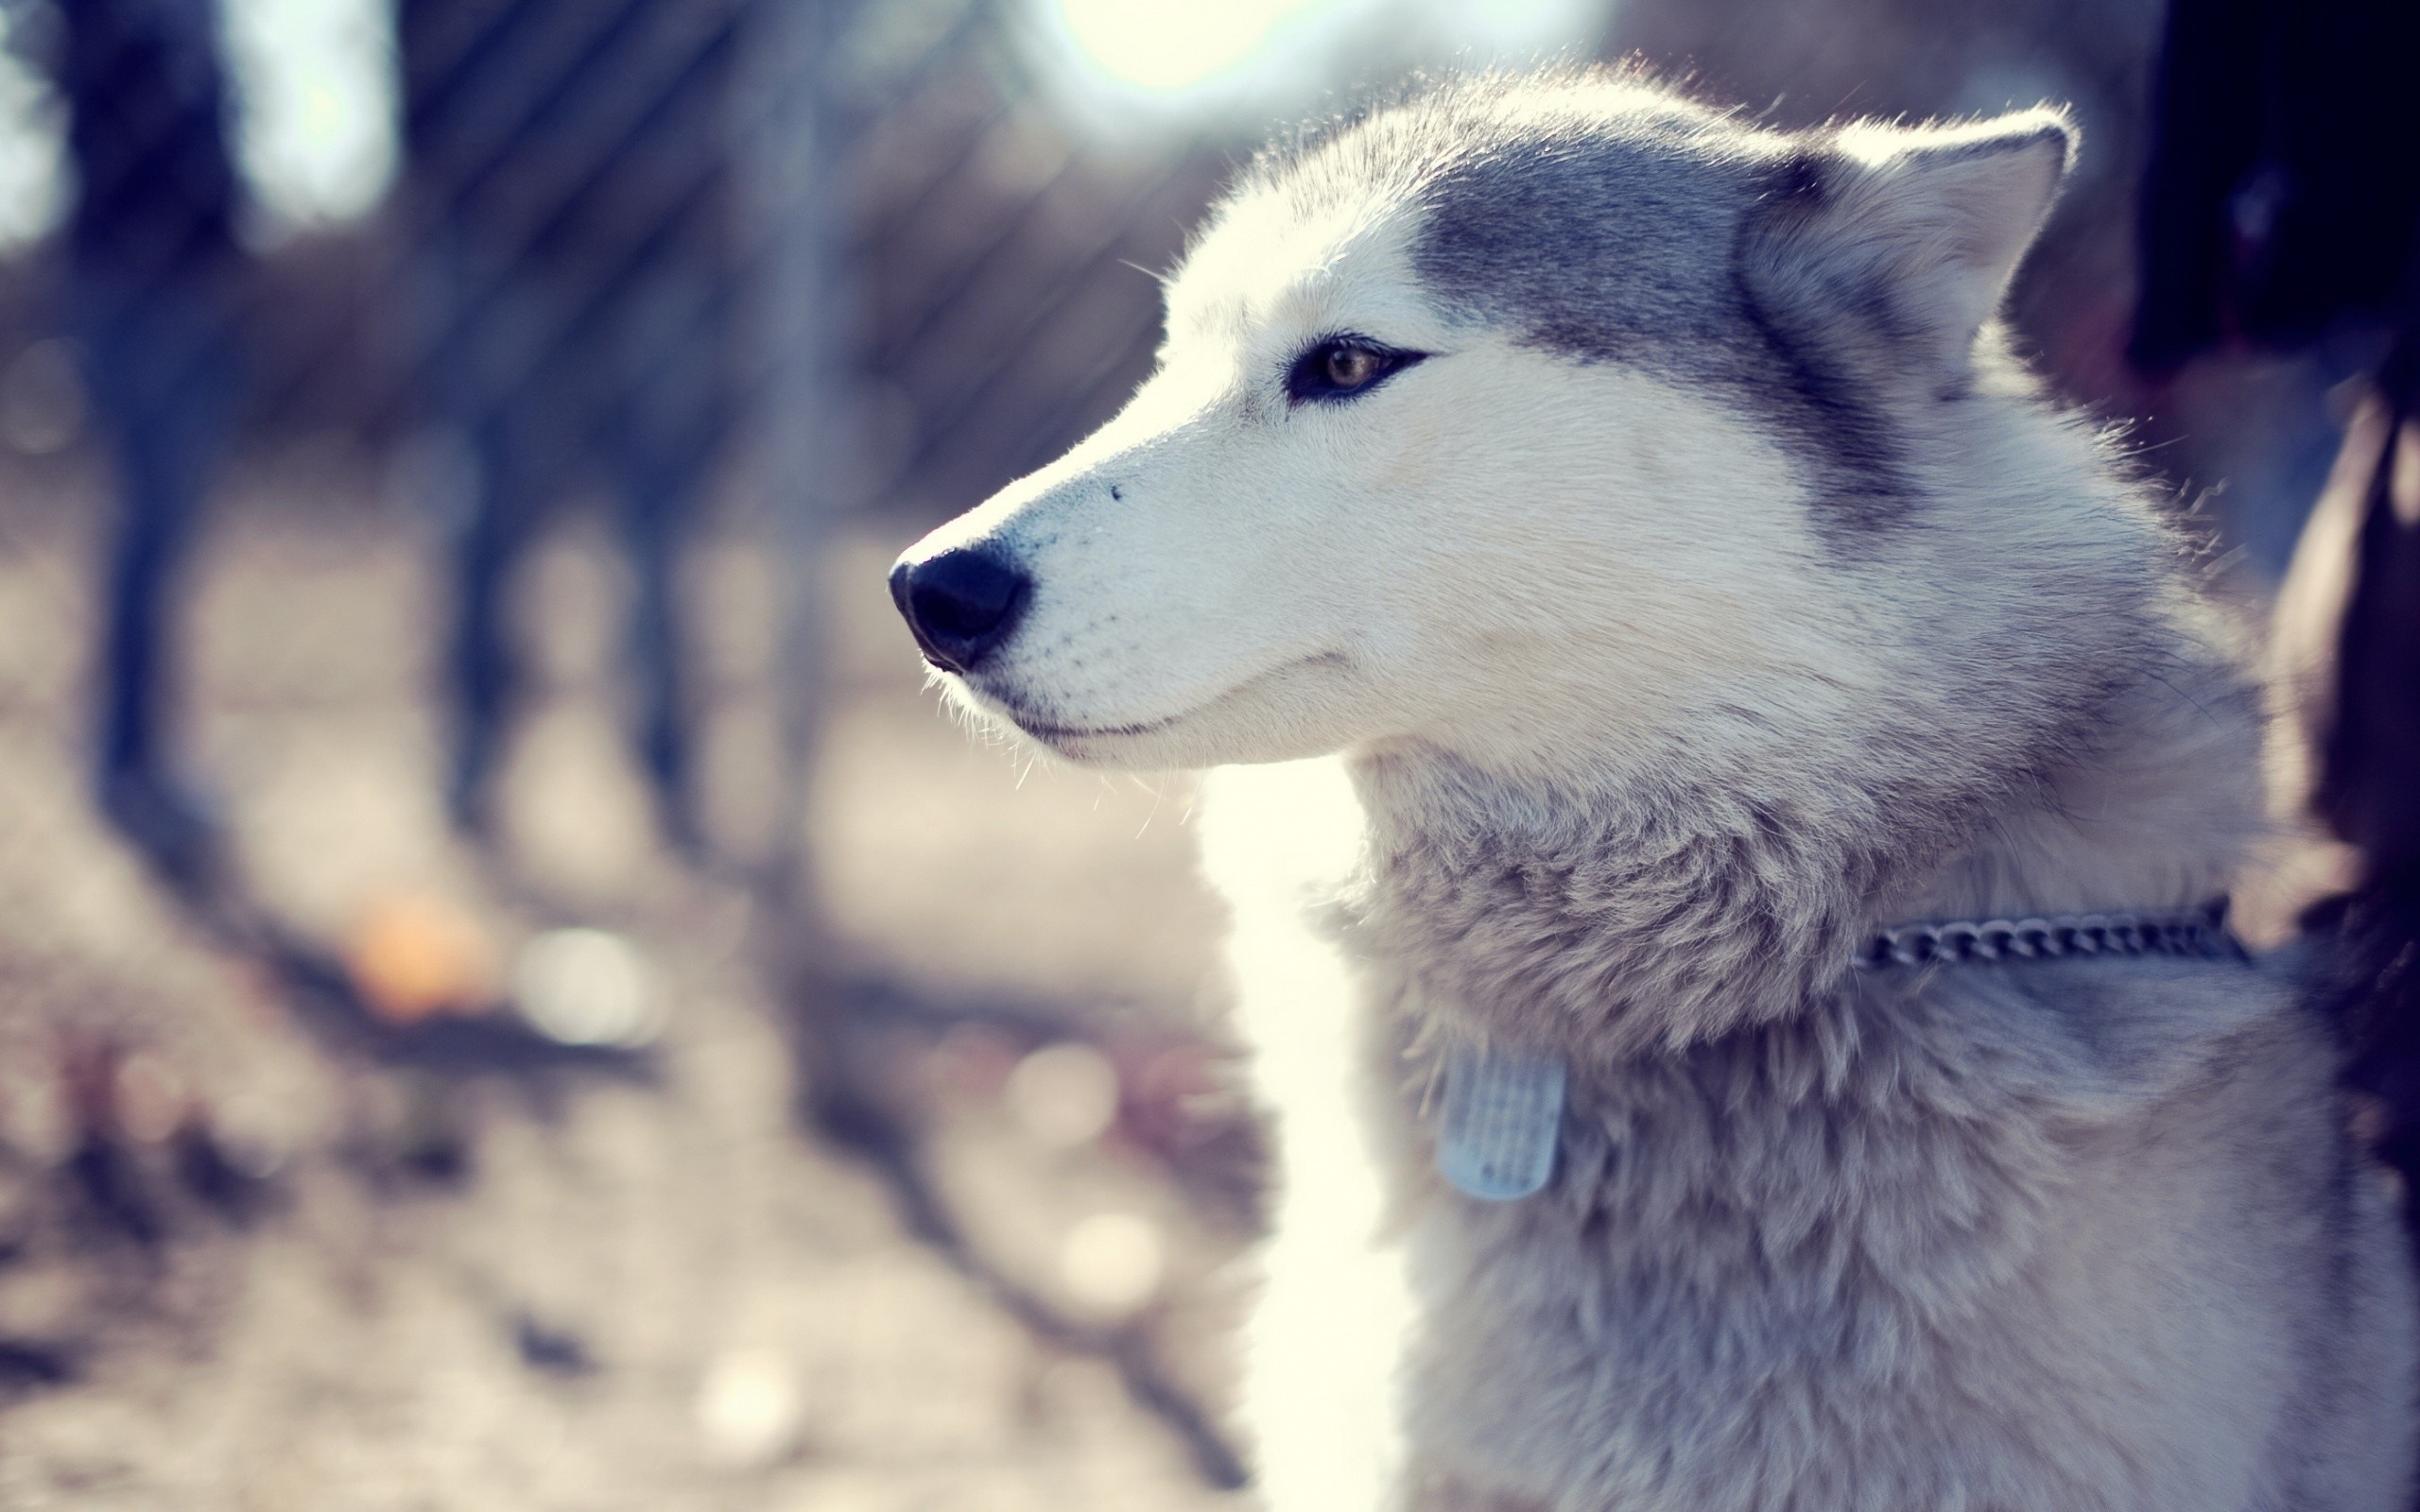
1043	730
1068	738
1065	738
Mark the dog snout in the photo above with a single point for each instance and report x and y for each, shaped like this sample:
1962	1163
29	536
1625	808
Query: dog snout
962	604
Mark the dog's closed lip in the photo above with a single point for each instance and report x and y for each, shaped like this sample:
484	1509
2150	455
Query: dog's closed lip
1044	730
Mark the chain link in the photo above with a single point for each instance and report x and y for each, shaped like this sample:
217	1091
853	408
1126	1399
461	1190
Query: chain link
2198	933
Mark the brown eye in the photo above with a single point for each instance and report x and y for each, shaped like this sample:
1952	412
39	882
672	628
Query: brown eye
1350	366
1341	368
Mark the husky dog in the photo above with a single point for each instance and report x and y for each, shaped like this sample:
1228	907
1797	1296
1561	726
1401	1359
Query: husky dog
1644	507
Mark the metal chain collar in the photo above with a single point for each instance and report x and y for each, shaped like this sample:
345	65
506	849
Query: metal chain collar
2199	932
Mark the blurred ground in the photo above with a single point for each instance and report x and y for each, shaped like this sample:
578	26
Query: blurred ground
253	1256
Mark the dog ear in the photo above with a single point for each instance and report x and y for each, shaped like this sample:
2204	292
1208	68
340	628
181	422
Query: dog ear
1914	231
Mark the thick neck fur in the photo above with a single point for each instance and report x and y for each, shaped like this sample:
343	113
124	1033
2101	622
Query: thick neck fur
2156	813
1598	924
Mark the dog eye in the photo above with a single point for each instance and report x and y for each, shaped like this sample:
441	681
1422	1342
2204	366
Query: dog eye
1343	367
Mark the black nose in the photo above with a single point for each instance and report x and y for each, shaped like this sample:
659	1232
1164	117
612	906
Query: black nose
960	604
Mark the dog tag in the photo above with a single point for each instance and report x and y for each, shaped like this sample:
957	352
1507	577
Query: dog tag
1503	1118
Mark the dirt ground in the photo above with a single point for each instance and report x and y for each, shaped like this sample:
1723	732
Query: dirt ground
933	1203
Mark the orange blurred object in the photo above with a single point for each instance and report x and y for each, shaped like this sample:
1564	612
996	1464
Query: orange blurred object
414	956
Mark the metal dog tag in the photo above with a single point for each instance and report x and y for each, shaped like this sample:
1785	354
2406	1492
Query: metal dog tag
1503	1118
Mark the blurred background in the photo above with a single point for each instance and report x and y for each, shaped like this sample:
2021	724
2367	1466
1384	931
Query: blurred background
511	995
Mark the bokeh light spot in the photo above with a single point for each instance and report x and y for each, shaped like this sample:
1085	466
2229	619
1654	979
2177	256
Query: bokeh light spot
1171	46
1064	1095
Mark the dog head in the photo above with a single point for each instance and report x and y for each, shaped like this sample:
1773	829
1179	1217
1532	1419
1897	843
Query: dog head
1529	422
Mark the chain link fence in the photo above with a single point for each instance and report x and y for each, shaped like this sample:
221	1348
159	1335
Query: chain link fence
680	257
715	283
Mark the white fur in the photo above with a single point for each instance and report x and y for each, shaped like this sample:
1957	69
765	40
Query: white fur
1641	731
1433	550
1278	839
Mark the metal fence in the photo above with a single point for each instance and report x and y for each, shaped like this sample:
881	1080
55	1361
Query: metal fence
812	259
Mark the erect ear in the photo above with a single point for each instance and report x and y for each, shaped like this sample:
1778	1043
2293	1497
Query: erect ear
1914	231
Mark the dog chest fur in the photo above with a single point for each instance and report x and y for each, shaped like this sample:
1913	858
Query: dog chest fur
1933	1247
2047	1235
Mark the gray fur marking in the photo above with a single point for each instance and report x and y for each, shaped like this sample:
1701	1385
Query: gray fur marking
1662	240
